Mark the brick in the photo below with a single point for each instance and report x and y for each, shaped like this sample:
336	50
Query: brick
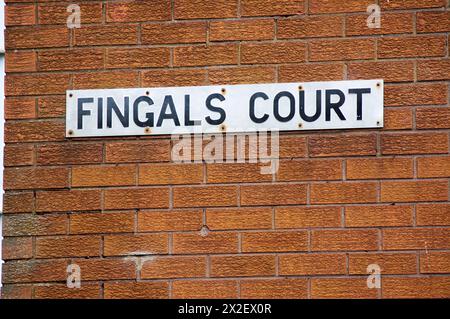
71	59
68	246
412	191
433	214
36	84
405	4
34	271
136	290
310	27
423	287
61	291
285	288
20	61
17	248
309	72
303	170
211	289
137	58
241	75
429	118
174	267
256	242
434	262
18	155
342	49
178	220
239	218
379	168
273	194
36	37
74	200
390	263
312	264
236	172
344	240
238	30
305	217
106	35
332	193
91	223
411	47
204	9
416	238
134	198
433	166
433	21
73	153
16	291
174	77
195	243
336	6
131	152
160	174
105	80
218	54
142	244
417	94
391	23
36	178
341	288
398	119
376	216
34	225
52	106
137	11
174	32
388	71
433	69
106	269
270	53
292	146
56	13
103	175
18	202
425	143
271	7
205	196
342	145
242	266
32	131
20	108
21	14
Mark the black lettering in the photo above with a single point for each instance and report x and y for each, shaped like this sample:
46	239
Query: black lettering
168	102
276	106
82	112
100	113
359	93
335	106
219	110
187	112
112	106
252	108
149	116
316	115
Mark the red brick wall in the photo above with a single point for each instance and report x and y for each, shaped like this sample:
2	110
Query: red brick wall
340	201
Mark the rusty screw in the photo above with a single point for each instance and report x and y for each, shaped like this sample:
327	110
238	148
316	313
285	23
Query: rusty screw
300	125
70	132
300	88
224	91
378	84
70	94
223	128
147	93
147	130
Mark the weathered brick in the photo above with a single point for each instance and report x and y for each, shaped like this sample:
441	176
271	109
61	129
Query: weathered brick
178	220
68	246
433	21
341	288
273	194
174	267
312	264
71	59
342	49
32	131
174	32
433	214
36	178
342	145
52	106
310	27
18	202
34	271
142	244
305	217
406	4
18	155
345	240
416	238
419	287
36	84
136	290
73	200
332	193
36	37
434	262
433	69
73	153
20	14
20	108
20	61
375	216
56	13
211	289
106	35
134	198
34	225
269	53
106	269
17	291
411	47
61	291
238	30
390	263
239	218
256	242
214	242
91	223
205	196
137	11
414	143
17	248
433	166
243	266
391	23
378	168
429	118
285	288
